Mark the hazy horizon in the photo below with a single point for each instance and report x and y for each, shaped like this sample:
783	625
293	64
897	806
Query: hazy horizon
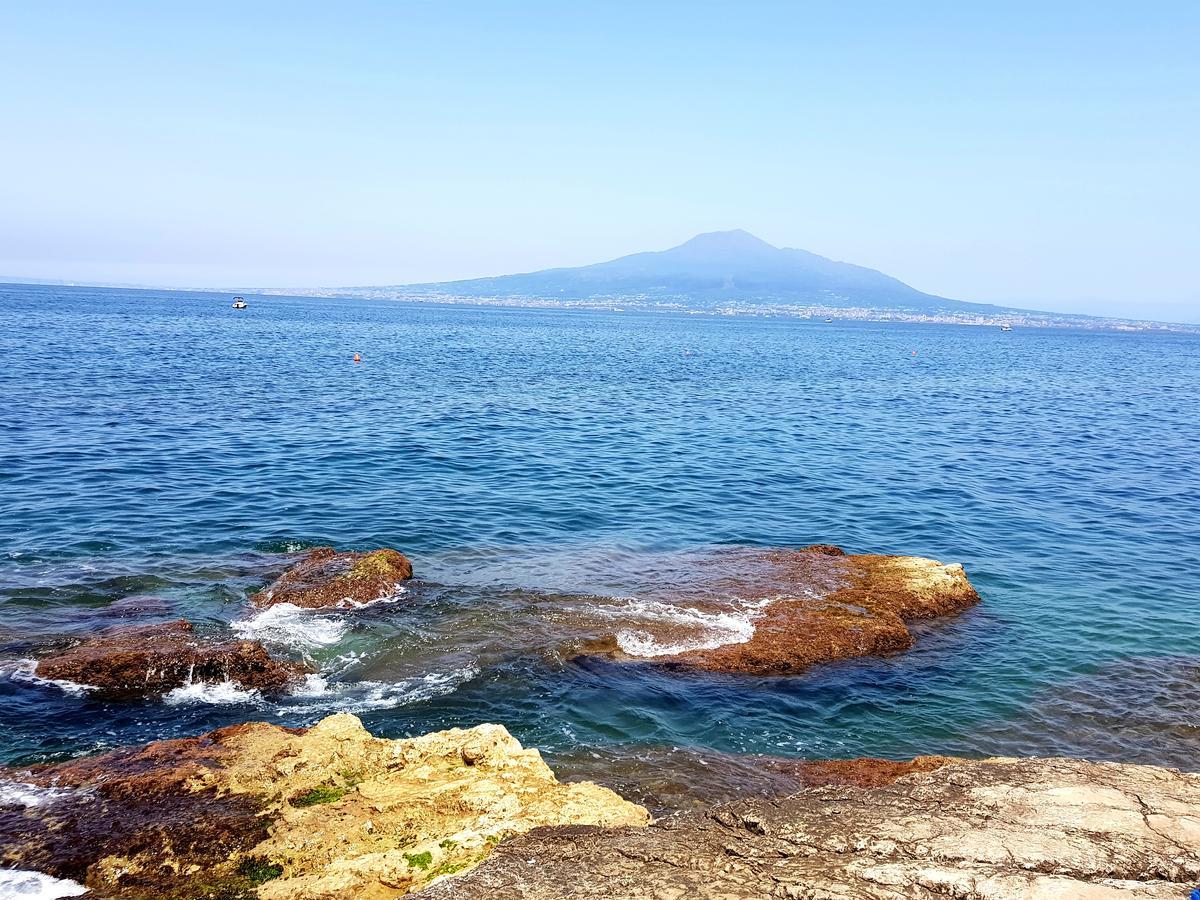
1019	156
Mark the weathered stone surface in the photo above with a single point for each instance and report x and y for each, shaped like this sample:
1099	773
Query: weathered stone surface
1033	829
150	660
136	823
258	810
864	615
326	578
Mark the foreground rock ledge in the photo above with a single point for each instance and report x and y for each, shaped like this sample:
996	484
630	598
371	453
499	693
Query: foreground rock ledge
1034	829
865	614
150	660
258	810
326	578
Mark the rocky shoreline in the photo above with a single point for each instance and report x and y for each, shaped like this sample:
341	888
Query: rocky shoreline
331	811
973	830
259	810
814	605
327	812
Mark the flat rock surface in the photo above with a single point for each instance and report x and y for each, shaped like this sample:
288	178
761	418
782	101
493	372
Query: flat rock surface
150	660
326	578
1034	829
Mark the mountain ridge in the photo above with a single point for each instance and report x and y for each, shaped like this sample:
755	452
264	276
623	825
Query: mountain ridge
712	268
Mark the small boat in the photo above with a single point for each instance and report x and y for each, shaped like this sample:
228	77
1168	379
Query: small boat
239	302
1006	327
829	320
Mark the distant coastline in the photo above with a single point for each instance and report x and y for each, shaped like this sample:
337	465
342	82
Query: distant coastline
752	308
1016	317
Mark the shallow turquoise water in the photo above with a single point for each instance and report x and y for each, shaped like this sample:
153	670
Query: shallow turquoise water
540	465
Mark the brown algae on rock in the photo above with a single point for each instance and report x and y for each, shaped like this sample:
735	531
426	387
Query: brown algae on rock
129	663
819	604
326	578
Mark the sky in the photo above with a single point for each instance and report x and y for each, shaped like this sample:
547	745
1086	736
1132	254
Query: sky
1033	154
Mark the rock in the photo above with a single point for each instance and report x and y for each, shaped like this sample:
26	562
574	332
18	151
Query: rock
864	615
998	829
327	578
150	660
823	549
327	812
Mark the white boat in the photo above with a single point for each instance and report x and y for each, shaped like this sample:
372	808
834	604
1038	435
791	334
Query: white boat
239	303
1006	327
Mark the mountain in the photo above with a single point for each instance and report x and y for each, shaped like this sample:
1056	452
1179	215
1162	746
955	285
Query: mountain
711	269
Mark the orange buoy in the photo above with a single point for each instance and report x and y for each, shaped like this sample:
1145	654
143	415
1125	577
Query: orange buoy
357	358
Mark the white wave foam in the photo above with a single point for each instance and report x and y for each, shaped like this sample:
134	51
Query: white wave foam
24	670
286	623
218	693
28	796
644	644
26	885
714	629
317	694
398	593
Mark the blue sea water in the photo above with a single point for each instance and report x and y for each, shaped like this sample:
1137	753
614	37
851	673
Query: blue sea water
549	470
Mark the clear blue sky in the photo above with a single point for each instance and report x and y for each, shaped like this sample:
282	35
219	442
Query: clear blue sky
1043	154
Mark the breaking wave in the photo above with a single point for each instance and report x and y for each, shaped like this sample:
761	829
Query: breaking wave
23	671
317	694
28	796
398	593
217	693
19	884
291	625
683	628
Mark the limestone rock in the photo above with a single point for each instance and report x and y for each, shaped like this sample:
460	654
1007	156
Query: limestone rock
326	578
150	660
999	829
327	812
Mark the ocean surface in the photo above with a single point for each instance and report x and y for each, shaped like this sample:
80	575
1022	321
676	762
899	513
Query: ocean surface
556	475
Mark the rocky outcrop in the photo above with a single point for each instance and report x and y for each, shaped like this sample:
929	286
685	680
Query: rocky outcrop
326	578
259	810
1033	829
256	810
150	660
864	614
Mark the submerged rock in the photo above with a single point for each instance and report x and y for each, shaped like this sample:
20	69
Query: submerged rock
670	780
150	660
989	830
859	608
259	810
327	578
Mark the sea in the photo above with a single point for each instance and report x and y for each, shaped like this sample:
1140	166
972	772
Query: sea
558	475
